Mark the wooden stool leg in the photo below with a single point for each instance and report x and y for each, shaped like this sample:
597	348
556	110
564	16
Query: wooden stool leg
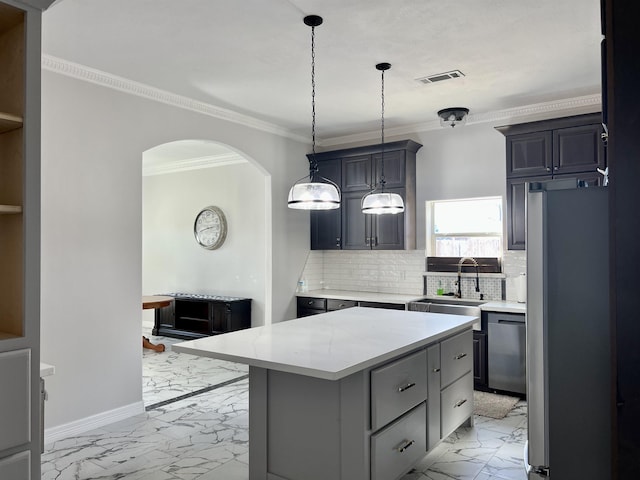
147	344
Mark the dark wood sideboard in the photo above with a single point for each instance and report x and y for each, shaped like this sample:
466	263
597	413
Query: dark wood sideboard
195	316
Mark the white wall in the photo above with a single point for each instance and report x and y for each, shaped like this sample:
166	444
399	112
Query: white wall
92	143
172	261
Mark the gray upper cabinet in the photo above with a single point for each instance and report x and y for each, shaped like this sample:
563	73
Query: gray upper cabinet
360	169
568	147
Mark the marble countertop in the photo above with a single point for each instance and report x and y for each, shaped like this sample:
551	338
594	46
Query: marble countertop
46	370
330	345
362	296
504	306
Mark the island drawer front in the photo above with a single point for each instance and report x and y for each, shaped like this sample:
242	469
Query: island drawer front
456	357
308	302
397	387
333	304
456	403
395	449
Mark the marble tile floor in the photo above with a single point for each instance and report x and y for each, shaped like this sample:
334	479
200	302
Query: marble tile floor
205	437
168	375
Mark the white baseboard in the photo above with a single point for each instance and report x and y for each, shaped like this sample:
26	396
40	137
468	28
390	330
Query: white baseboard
77	427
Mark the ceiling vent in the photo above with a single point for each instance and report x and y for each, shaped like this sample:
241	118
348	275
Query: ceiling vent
439	77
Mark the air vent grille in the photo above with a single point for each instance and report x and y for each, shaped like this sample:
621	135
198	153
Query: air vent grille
439	77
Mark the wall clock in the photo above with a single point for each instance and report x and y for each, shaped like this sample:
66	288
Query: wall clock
210	228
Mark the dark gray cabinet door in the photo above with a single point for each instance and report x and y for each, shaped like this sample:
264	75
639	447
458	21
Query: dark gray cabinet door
394	169
529	154
578	149
361	231
388	230
357	173
516	220
479	359
356	226
326	225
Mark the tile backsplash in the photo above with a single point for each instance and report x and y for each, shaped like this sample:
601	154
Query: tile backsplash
402	271
398	271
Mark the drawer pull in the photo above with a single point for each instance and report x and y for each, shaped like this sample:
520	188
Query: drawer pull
459	356
406	387
460	403
405	446
310	302
436	370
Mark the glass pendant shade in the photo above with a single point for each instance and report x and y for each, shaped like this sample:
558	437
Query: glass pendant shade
382	203
314	196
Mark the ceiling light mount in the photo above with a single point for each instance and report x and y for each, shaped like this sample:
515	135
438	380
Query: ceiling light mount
381	202
318	193
452	116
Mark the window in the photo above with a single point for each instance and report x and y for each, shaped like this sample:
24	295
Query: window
470	227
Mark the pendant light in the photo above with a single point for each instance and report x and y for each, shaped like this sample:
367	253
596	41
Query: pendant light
318	193
381	202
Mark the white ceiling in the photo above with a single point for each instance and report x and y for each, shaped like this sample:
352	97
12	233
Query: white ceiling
253	56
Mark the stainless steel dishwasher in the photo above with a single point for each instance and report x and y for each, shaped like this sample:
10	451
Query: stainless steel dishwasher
507	347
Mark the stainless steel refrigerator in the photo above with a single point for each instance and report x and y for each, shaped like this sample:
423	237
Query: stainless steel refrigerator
568	332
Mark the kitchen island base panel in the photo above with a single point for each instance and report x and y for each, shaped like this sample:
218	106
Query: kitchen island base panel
308	428
314	428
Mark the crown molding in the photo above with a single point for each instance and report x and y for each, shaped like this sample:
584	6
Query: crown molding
184	165
104	79
537	111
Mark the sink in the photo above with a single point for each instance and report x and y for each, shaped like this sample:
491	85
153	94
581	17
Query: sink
450	306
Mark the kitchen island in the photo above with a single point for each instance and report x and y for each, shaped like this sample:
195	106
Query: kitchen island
357	394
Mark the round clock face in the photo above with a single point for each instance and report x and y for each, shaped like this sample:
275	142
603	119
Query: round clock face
210	228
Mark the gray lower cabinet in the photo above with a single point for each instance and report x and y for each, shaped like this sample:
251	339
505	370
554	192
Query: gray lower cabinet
314	305
16	467
15	415
375	424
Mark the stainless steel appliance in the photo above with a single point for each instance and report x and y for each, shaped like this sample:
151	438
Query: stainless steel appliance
506	352
568	344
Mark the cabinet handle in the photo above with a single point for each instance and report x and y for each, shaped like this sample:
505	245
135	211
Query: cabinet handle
548	169
338	242
459	356
406	387
310	302
460	403
405	446
436	370
556	168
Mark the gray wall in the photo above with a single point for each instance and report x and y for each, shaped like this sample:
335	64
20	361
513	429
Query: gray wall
92	144
171	259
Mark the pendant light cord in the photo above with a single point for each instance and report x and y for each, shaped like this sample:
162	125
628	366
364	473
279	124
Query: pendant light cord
382	180
314	164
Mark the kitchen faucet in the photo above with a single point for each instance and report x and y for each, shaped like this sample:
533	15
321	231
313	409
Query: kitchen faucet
475	264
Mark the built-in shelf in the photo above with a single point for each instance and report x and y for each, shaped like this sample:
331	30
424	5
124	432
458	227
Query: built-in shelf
9	122
10	209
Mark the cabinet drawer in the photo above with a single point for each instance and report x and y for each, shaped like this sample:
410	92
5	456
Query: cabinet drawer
309	302
15	404
456	403
398	387
16	467
398	447
340	304
456	357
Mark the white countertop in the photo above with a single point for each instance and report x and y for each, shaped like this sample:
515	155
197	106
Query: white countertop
330	345
46	370
504	306
362	296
